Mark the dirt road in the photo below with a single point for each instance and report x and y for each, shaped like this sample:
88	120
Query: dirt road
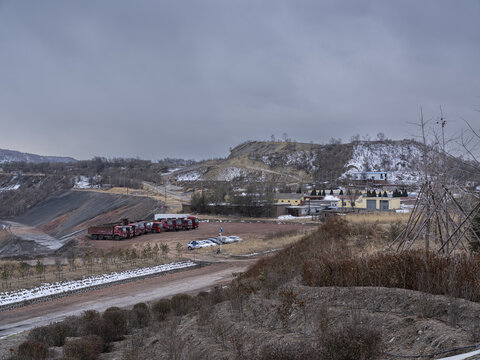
123	295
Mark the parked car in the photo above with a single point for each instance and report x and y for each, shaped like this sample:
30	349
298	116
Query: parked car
193	245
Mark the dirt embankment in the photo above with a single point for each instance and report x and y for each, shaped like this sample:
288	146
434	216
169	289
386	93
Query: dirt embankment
68	211
65	215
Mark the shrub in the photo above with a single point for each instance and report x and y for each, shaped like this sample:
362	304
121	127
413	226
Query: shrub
52	335
117	318
181	304
161	309
32	350
85	348
139	316
351	343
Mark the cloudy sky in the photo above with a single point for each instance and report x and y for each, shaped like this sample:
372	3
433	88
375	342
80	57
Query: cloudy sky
190	79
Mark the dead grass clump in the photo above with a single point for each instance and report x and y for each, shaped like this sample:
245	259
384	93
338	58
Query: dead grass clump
182	304
351	342
31	350
161	309
85	348
139	316
118	320
52	335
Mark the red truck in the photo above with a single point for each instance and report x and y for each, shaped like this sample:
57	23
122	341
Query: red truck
168	225
187	224
178	223
136	229
108	231
194	221
157	226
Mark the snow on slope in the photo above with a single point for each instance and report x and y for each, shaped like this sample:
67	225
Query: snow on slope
65	286
189	176
401	161
10	187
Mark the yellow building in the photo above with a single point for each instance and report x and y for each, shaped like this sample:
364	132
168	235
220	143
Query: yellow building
371	203
289	199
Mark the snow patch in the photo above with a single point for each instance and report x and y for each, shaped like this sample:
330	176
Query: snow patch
189	176
400	161
47	289
291	217
82	182
10	188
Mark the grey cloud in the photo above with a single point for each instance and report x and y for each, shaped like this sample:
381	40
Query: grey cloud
190	79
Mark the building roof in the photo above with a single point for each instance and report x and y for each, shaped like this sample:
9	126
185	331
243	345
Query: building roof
288	196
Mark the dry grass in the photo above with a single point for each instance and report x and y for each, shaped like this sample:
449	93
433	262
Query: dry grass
276	241
377	217
256	245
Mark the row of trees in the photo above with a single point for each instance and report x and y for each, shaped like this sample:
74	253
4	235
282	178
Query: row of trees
254	201
89	261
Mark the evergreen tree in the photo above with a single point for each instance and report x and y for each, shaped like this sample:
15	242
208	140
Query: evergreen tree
369	193
373	193
323	193
341	192
314	192
331	191
405	194
385	194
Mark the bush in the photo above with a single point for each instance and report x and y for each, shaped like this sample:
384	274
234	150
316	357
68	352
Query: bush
32	350
352	342
117	318
85	348
52	335
139	316
181	304
161	309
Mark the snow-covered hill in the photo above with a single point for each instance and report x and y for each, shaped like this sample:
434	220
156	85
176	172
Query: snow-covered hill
292	162
401	159
7	156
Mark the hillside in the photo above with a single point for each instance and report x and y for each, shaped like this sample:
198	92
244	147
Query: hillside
302	162
7	156
65	215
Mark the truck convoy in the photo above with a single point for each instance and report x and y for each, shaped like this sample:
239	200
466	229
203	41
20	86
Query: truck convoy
126	229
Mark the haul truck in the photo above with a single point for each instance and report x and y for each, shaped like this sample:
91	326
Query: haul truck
108	231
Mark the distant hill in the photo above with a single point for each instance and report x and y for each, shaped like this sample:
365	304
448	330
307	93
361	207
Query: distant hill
307	162
7	156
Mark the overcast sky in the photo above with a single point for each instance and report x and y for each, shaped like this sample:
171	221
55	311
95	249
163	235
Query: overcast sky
190	79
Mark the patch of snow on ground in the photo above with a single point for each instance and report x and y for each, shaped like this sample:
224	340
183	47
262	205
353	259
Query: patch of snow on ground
231	173
291	217
65	286
10	188
82	182
189	176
